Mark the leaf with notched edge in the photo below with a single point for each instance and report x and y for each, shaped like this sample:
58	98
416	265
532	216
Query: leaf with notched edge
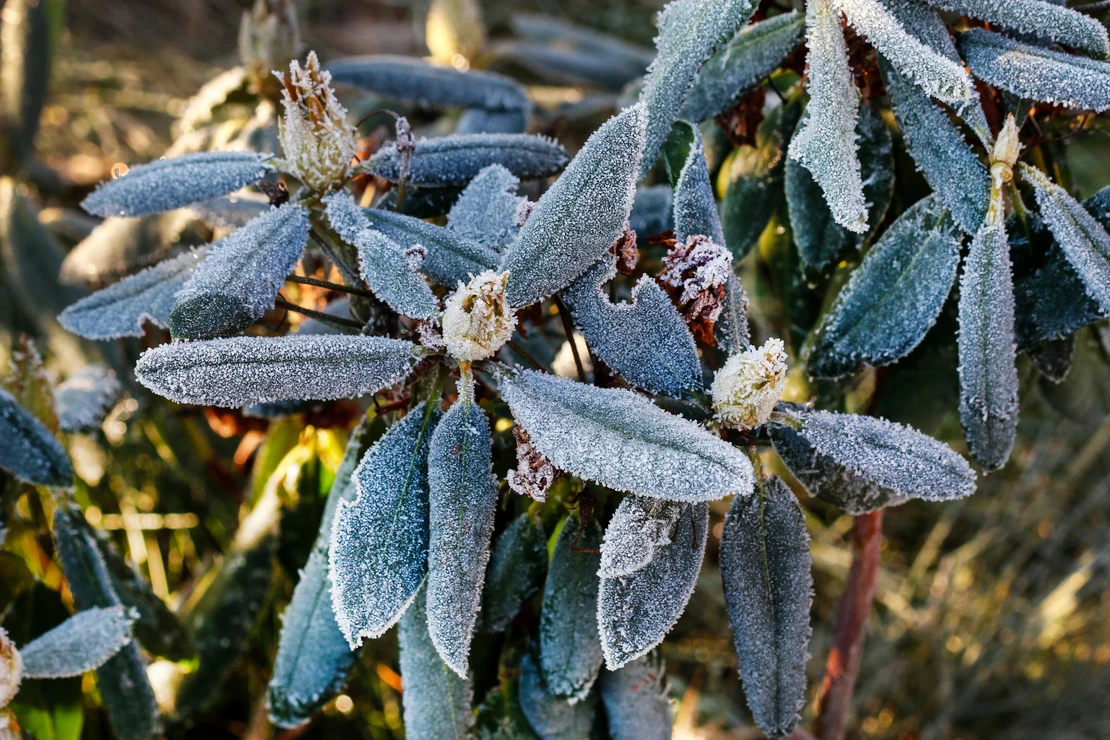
766	570
241	371
516	572
30	452
85	641
623	441
175	183
457	159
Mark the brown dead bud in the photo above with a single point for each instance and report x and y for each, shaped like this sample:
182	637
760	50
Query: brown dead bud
694	276
534	473
625	250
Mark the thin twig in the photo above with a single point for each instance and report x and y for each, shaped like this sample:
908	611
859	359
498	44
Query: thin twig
330	286
842	666
318	315
568	329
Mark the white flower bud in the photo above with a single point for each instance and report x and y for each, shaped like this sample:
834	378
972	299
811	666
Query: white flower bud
11	669
318	141
1007	149
478	319
746	389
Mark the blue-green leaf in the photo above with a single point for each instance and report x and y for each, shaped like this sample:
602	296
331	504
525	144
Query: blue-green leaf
636	701
450	257
86	397
457	159
553	717
1047	20
85	641
487	210
30	452
516	572
639	527
428	85
652	210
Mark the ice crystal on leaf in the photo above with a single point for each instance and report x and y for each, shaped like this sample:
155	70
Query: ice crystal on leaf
462	496
241	371
379	541
1046	20
579	217
570	652
622	440
747	387
240	275
690	31
638	528
175	183
553	717
457	159
695	210
477	319
766	570
81	643
636	701
317	140
486	211
636	611
825	142
1036	73
450	257
121	310
30	452
86	397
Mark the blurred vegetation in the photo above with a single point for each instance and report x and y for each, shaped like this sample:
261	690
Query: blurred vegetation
993	613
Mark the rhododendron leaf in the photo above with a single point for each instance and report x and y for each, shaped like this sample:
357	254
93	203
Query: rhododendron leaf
487	210
85	641
639	527
552	717
86	397
451	258
175	183
30	452
457	159
652	210
636	702
482	121
516	572
1045	19
695	209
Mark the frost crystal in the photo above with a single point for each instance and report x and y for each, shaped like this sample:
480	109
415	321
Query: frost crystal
30	452
695	274
825	142
12	674
894	297
570	652
638	528
175	183
391	273
579	218
635	612
436	702
766	570
551	716
450	258
743	64
1082	239
120	310
746	389
487	209
379	541
645	341
477	319
240	276
241	371
636	701
534	473
623	441
81	643
318	142
1046	20
940	77
462	499
690	31
457	159
1036	73
516	572
86	397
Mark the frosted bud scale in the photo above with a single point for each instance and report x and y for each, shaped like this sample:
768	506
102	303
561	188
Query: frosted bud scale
11	669
478	319
746	389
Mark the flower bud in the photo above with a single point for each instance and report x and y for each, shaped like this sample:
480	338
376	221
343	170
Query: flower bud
1007	149
268	37
318	141
11	669
478	319
746	389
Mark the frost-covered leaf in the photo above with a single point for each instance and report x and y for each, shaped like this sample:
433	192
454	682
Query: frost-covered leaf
482	121
436	701
690	31
579	217
231	211
553	717
835	455
940	77
988	375
462	499
622	440
516	571
1047	20
240	371
695	209
86	397
240	276
571	66
30	452
430	86
570	652
765	567
636	611
81	643
639	527
313	657
742	64
379	541
646	341
820	239
652	210
894	297
1036	73
825	142
457	159
175	183
732	331
487	210
1052	302
636	701
120	310
450	257
952	170
122	680
1083	240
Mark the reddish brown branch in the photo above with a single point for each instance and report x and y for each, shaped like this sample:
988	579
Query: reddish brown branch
842	666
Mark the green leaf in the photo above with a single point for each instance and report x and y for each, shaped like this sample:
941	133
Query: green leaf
30	452
623	441
516	572
26	46
552	717
766	570
636	701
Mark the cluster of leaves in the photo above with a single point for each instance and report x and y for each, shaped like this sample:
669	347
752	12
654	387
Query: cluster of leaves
407	535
